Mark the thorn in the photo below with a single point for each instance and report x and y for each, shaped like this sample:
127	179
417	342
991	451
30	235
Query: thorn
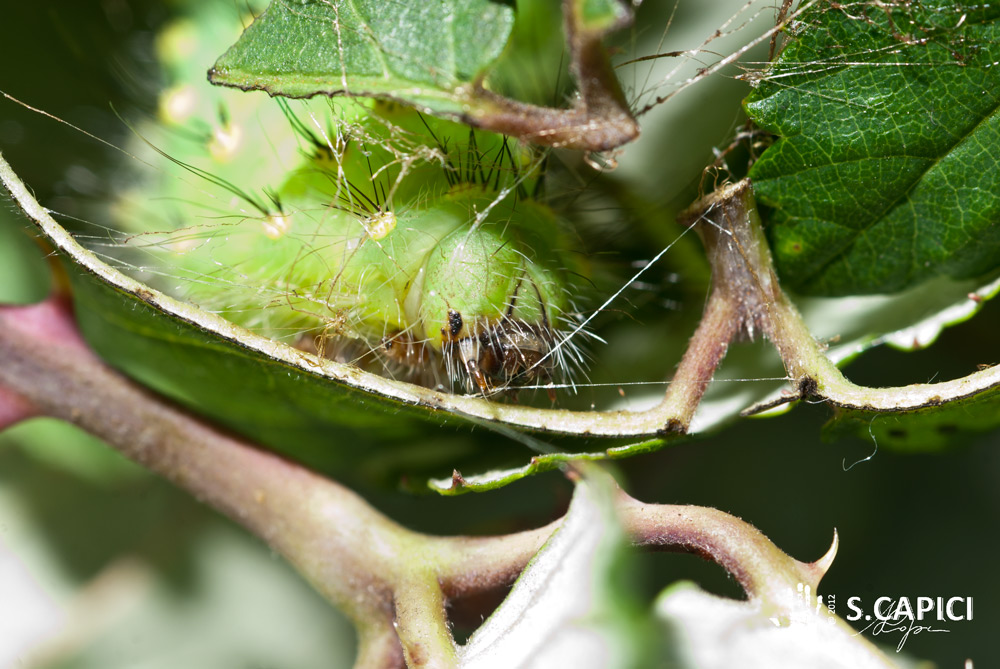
822	565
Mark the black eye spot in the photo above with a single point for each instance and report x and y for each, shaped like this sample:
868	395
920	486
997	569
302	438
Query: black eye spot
454	322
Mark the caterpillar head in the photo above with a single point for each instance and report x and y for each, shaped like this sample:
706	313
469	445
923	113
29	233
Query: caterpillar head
509	354
487	304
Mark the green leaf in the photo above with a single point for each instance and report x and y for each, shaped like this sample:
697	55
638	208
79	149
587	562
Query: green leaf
601	15
423	53
885	174
498	478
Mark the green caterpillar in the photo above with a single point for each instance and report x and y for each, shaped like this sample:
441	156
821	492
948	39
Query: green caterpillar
367	233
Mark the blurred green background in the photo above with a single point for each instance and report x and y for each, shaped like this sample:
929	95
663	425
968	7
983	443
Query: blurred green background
103	565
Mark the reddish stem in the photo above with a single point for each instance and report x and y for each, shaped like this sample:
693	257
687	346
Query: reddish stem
393	583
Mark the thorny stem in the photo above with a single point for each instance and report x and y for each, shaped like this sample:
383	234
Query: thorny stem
393	583
719	324
277	501
759	566
743	274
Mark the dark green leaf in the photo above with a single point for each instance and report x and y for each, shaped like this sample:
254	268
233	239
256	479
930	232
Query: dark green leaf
276	404
23	276
335	426
886	171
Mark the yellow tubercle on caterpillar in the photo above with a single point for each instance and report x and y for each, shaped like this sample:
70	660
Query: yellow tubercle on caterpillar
178	42
379	225
178	104
277	226
227	138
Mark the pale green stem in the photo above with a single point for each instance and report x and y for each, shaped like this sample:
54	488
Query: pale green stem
422	624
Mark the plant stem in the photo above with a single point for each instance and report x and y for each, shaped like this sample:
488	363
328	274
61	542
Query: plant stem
599	120
331	535
422	624
760	567
743	273
392	583
708	346
14	409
